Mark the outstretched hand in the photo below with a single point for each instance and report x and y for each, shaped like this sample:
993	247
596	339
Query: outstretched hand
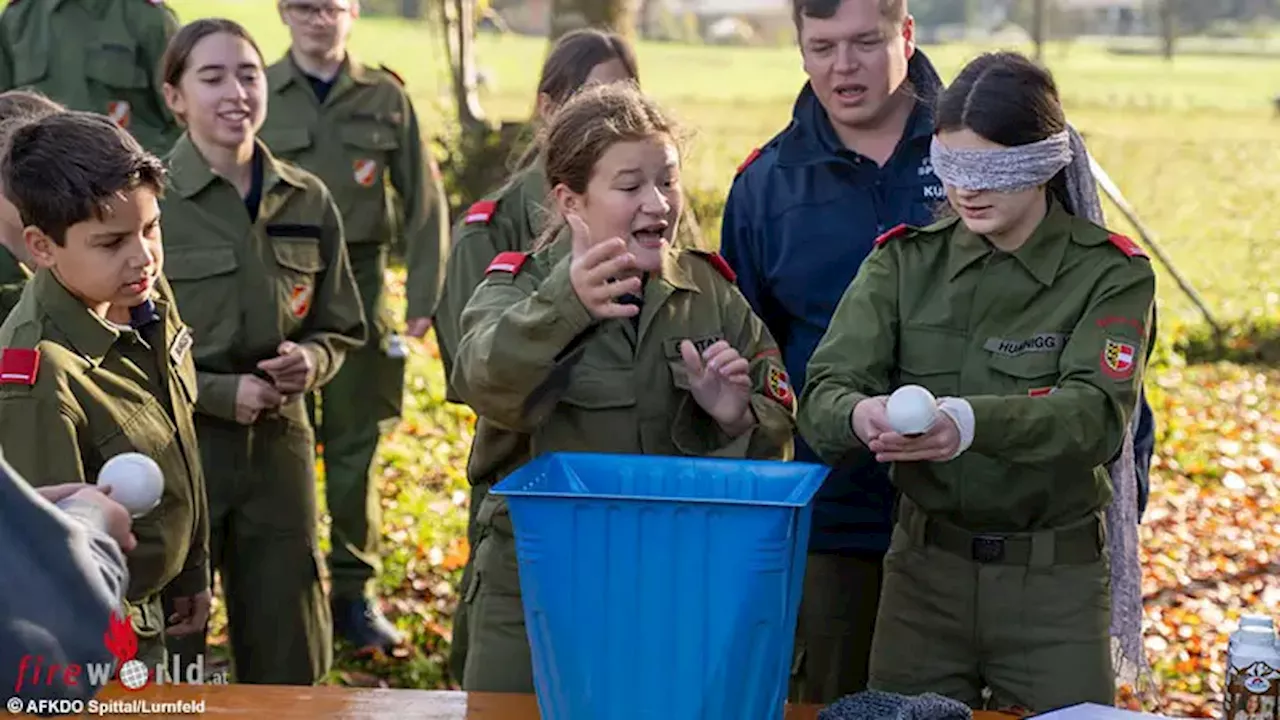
720	382
594	270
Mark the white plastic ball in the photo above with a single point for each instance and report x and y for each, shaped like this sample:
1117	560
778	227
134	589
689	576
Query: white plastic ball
135	481
912	410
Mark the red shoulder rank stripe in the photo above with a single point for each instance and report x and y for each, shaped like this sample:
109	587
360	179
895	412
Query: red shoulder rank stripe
750	159
392	73
898	231
508	262
1127	246
480	212
719	263
19	366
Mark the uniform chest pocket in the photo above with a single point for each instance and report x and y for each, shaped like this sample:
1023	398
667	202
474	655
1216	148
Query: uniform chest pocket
29	57
296	249
370	136
143	428
598	389
204	287
931	357
1022	373
114	63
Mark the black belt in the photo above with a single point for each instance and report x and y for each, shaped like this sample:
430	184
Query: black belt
1080	543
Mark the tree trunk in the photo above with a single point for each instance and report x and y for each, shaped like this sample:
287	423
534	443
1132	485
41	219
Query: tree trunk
1168	26
1039	27
615	15
459	22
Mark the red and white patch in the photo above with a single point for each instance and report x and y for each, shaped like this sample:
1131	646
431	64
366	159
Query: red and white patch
120	112
365	171
1118	359
480	212
1126	245
777	387
1041	392
300	298
507	262
19	366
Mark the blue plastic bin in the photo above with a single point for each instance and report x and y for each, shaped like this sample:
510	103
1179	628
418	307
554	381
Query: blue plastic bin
661	587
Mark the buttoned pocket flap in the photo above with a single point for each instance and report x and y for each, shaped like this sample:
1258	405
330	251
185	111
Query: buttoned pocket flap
1028	367
114	63
595	389
197	263
370	136
286	139
298	253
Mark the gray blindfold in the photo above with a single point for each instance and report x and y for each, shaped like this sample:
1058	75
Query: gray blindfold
1005	169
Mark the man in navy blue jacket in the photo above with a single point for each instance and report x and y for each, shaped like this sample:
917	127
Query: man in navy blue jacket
803	213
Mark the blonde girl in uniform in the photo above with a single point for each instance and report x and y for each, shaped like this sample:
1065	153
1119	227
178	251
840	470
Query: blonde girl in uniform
259	267
606	339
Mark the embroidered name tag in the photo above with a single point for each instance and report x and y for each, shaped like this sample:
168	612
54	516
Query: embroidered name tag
1041	343
181	345
672	347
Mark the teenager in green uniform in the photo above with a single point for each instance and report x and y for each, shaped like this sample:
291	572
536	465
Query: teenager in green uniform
510	219
94	55
259	266
96	360
16	106
354	127
1029	323
606	339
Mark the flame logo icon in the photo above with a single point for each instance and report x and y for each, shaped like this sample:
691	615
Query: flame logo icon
122	642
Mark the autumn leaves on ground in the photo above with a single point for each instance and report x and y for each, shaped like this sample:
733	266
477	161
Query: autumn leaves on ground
1193	145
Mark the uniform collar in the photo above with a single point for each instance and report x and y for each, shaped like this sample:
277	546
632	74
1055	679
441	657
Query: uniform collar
675	273
189	173
286	72
90	335
1041	254
533	195
12	271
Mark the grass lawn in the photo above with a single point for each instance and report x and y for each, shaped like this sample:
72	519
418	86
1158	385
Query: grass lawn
1193	144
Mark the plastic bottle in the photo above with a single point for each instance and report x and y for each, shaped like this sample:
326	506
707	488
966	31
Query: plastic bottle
1253	671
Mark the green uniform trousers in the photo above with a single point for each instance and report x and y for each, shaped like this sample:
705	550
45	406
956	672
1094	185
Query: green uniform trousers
262	540
1023	620
148	620
835	625
498	657
458	647
366	391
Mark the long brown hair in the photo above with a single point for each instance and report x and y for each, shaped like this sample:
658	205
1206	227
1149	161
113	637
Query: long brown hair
567	66
174	62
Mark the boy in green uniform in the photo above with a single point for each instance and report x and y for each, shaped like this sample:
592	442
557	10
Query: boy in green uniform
354	126
94	55
96	361
15	262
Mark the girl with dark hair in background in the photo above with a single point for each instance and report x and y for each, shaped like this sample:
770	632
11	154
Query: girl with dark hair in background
1029	322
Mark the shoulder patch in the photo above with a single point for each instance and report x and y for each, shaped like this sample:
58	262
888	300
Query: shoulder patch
507	262
750	159
895	232
19	366
480	212
393	74
1126	246
719	263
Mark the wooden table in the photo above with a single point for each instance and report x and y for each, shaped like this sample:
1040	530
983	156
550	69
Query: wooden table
225	702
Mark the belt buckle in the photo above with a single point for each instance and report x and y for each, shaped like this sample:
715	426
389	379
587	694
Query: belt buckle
988	548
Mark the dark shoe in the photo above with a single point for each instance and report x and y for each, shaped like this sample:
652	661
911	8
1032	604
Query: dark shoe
361	623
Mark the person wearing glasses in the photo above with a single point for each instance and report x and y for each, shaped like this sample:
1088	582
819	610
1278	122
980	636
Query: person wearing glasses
98	56
353	126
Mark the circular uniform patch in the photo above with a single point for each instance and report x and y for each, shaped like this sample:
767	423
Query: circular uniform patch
1118	359
778	387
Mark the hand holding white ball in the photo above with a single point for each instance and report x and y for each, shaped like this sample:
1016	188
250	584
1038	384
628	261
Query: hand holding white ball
135	481
911	410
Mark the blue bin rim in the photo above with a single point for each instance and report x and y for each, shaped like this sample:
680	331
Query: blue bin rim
802	495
